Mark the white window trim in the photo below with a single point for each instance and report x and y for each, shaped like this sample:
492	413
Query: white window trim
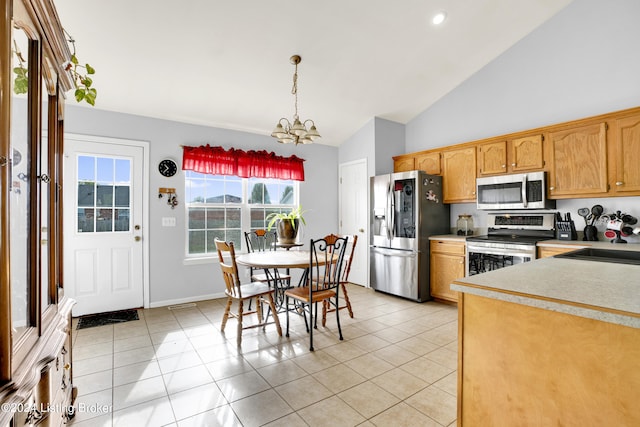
245	221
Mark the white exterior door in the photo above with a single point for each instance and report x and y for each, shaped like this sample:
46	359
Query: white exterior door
104	227
354	215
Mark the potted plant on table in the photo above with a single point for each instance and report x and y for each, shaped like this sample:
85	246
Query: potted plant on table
287	224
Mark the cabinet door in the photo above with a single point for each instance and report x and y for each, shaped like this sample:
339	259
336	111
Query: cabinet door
430	163
403	164
627	146
526	154
445	268
492	158
578	158
459	175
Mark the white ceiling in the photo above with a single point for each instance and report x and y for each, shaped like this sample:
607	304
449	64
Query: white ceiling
226	63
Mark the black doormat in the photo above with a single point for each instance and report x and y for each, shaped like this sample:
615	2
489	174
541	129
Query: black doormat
110	318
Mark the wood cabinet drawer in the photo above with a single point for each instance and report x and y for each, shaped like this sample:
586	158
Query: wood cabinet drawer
448	246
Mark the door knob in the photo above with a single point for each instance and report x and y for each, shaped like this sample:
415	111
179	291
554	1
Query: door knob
137	238
361	230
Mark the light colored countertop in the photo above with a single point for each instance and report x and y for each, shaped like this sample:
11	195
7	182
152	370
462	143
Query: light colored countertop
448	237
599	290
586	244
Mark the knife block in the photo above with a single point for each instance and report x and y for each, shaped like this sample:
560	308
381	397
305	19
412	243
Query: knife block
566	230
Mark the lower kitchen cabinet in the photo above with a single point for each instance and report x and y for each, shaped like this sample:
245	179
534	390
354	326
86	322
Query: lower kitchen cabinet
447	264
547	251
523	365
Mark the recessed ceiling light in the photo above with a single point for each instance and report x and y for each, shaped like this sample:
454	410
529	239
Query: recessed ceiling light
439	18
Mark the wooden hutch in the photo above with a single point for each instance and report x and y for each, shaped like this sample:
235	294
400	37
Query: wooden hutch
35	316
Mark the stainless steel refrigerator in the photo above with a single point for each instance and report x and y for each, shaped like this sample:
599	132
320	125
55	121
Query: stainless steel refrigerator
406	208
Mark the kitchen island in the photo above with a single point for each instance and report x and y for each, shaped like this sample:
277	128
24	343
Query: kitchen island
550	342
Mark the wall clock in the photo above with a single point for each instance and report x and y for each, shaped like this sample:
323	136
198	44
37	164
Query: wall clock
167	167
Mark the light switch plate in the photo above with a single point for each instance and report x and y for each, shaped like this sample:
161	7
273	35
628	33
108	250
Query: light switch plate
168	221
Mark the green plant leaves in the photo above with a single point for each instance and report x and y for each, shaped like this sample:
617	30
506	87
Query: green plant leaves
21	82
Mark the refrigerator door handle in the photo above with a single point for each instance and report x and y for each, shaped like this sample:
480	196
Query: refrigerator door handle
389	212
392	212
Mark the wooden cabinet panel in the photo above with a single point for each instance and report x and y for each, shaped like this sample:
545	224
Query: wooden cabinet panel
492	158
526	154
543	367
627	155
578	161
447	264
547	251
403	164
459	175
429	162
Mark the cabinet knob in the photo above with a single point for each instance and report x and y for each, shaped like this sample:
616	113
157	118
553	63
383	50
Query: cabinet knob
504	166
619	183
513	164
552	188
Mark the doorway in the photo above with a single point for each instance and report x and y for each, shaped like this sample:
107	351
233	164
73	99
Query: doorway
105	221
354	215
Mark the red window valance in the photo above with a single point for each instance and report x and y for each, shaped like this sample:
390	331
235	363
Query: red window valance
245	164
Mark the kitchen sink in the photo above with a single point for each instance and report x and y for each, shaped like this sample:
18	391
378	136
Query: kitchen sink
604	255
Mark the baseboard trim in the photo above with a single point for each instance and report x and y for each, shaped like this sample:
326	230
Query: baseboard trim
165	303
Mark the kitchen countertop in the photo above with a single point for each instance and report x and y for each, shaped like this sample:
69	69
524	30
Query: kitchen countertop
449	237
598	290
586	244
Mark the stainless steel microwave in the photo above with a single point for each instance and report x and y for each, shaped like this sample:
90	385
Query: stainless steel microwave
516	191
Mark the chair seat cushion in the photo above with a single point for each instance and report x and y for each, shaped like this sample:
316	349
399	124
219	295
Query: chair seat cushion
302	293
254	289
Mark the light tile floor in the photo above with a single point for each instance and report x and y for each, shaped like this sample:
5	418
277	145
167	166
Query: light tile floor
396	367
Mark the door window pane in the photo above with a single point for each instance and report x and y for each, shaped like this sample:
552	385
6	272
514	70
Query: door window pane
104	189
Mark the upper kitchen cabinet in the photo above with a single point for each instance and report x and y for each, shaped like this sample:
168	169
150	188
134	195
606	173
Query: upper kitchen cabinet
429	162
492	158
627	155
459	175
523	154
403	163
578	161
526	154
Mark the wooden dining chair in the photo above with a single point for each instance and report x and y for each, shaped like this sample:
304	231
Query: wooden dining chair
344	279
326	256
262	241
235	291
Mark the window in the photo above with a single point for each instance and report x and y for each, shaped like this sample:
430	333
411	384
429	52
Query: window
224	207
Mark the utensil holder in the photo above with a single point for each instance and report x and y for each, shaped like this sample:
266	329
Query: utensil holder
566	230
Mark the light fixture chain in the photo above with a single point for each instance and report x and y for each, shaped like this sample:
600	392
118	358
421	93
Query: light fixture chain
294	90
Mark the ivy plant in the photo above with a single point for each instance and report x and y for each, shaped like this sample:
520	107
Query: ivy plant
80	73
84	90
21	82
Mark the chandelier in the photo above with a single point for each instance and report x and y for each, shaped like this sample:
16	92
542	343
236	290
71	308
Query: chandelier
285	132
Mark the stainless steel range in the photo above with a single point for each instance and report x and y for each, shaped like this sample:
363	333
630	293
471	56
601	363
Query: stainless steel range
511	239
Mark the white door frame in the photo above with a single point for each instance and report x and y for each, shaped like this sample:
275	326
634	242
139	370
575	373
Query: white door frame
365	243
145	198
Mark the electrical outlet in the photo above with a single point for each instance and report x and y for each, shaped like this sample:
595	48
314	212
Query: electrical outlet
168	221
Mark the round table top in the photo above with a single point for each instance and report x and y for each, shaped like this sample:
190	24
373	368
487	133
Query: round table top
275	259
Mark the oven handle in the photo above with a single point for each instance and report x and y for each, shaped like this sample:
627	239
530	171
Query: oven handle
524	190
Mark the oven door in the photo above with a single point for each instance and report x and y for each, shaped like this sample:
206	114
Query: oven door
483	258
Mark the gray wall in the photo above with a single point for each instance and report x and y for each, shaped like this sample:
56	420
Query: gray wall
171	281
584	61
377	141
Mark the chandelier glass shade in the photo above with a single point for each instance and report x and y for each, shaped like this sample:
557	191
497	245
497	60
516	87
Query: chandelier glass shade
297	132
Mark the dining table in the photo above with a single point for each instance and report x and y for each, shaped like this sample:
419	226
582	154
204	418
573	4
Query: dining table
287	259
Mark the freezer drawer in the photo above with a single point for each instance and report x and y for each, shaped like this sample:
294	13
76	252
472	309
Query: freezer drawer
396	272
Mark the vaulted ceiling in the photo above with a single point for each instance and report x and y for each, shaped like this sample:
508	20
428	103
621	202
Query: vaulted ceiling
226	63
